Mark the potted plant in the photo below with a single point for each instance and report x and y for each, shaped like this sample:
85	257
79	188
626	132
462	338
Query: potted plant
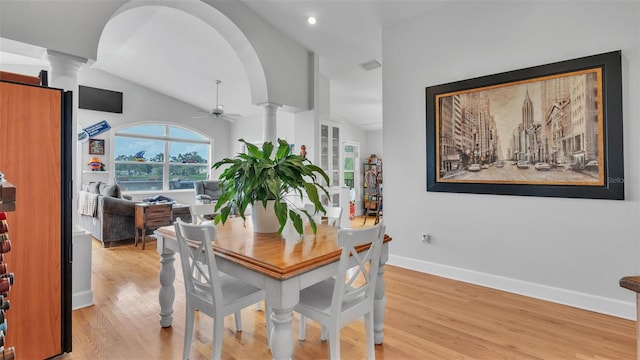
264	178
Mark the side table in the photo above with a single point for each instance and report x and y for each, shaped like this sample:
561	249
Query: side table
150	217
633	283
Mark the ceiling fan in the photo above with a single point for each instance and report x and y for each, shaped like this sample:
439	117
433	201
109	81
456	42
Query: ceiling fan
218	111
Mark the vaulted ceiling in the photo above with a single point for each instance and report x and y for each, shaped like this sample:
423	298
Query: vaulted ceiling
178	55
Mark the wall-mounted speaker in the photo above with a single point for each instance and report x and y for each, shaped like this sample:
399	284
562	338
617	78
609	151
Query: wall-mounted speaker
91	98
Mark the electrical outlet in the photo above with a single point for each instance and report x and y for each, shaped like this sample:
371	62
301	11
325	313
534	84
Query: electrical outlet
426	238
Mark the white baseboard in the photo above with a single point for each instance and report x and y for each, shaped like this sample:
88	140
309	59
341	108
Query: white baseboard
608	306
81	299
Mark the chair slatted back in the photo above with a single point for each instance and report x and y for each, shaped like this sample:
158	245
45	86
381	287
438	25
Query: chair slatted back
199	267
359	280
334	215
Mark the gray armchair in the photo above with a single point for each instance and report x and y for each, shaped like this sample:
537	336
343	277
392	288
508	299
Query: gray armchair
207	191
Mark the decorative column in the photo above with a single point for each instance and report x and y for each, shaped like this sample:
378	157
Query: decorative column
270	123
64	75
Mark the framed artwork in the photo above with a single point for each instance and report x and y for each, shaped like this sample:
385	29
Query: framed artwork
552	130
96	146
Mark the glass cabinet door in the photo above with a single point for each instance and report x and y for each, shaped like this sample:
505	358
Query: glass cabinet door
330	152
324	148
335	156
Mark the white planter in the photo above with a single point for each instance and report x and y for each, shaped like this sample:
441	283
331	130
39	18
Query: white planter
264	220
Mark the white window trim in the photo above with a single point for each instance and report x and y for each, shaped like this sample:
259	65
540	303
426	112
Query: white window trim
165	164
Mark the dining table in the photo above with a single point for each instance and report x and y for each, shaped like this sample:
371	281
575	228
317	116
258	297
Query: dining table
281	264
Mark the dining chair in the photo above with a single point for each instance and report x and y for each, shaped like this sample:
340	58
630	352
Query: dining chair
202	213
333	214
213	293
339	300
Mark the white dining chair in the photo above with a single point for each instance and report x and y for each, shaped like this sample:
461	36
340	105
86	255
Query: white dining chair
334	215
335	304
215	294
202	213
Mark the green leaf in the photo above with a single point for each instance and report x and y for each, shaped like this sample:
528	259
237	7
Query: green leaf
223	215
281	214
267	149
252	149
312	193
297	221
283	149
318	170
314	227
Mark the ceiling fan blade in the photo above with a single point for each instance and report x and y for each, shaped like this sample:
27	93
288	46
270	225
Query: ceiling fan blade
200	116
231	117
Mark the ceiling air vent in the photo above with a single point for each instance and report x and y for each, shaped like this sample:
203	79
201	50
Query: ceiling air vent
370	65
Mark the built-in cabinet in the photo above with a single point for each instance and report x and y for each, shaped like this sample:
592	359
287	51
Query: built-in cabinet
340	159
330	161
35	153
330	152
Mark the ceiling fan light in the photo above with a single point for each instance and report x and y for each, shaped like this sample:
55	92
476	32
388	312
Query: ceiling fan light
217	111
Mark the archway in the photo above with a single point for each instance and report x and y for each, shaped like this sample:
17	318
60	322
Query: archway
204	25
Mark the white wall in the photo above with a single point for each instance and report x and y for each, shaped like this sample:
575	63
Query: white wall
142	105
374	143
571	251
306	132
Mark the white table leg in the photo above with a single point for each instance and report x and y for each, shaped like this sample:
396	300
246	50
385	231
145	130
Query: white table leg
167	291
282	334
379	306
282	297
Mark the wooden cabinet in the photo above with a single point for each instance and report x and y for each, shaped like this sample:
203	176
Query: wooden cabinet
150	217
35	154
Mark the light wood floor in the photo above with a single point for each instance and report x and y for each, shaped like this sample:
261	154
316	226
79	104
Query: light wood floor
427	317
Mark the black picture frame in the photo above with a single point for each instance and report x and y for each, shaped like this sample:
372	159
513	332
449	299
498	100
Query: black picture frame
96	146
577	133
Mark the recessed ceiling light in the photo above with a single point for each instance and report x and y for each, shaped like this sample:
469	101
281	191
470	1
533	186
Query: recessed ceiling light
311	20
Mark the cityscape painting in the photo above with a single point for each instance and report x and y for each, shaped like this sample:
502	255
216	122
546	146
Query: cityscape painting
552	130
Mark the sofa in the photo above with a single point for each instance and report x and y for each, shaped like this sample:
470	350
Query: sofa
106	213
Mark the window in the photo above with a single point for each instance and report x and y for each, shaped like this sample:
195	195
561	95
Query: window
160	158
351	169
351	164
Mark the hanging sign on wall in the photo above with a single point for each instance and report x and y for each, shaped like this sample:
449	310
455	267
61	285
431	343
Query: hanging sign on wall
93	130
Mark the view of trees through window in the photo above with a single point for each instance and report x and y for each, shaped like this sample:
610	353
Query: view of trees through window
160	157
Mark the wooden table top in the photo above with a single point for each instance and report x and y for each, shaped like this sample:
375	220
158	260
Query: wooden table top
272	254
631	283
